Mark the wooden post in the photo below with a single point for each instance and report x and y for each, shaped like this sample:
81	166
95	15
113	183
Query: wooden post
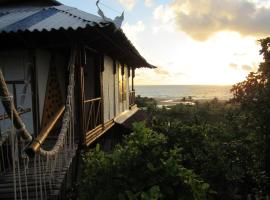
128	72
14	95
34	89
101	66
80	94
114	89
133	76
123	87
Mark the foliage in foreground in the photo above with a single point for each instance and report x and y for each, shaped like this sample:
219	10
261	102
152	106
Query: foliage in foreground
144	166
219	145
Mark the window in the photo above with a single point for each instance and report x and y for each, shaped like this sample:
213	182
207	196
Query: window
122	83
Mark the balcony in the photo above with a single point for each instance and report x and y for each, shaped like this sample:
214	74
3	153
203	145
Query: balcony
92	114
131	98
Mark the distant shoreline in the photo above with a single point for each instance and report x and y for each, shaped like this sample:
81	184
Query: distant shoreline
174	94
172	102
189	85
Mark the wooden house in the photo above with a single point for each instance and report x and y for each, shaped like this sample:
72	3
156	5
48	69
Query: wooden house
61	67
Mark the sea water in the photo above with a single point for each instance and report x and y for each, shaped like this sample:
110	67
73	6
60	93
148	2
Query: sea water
197	92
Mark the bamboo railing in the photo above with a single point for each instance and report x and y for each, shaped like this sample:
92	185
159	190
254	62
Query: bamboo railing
92	114
44	133
132	98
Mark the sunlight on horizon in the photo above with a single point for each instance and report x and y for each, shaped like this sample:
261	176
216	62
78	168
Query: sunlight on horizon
221	57
224	59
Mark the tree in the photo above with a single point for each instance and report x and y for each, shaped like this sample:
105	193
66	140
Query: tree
253	95
142	167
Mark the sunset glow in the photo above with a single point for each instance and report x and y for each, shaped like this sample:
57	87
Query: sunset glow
191	41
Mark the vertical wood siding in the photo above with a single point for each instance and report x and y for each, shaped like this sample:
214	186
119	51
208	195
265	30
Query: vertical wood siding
108	89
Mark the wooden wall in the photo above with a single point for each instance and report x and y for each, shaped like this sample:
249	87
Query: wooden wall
108	89
113	106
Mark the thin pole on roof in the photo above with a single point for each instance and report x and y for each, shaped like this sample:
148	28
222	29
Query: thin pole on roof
105	5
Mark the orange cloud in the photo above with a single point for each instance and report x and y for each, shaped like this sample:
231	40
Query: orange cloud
202	18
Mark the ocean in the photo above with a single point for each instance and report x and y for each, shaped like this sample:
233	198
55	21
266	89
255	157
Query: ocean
197	92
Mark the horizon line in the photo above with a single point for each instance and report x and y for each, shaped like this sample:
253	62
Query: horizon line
183	85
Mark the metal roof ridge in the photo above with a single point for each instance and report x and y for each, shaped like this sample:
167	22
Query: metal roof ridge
79	17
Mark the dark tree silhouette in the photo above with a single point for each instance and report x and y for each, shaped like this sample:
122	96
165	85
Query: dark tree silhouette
253	95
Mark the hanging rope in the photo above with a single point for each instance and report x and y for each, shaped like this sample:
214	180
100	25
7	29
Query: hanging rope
67	114
14	143
13	135
47	165
10	109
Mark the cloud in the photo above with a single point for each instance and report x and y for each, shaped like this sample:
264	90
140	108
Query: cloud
149	3
202	18
246	68
129	4
132	31
239	54
233	65
164	13
161	71
179	74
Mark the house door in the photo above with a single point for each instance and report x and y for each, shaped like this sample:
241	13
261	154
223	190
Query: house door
92	92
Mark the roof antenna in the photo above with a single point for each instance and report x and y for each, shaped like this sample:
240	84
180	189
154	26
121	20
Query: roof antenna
118	20
101	13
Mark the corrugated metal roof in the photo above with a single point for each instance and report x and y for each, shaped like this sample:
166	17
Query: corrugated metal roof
46	18
29	2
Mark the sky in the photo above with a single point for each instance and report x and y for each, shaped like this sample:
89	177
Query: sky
192	42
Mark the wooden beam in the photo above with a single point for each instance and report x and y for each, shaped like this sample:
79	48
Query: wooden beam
101	60
91	100
80	95
122	69
101	66
5	116
34	89
114	89
44	133
114	66
128	71
16	82
132	80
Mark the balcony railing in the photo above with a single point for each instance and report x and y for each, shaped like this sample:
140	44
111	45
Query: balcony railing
132	98
92	114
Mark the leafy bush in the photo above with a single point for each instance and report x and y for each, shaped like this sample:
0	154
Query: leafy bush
144	102
253	95
229	163
144	166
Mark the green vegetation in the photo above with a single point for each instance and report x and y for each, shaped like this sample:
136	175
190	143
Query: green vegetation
144	166
145	102
217	146
211	150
